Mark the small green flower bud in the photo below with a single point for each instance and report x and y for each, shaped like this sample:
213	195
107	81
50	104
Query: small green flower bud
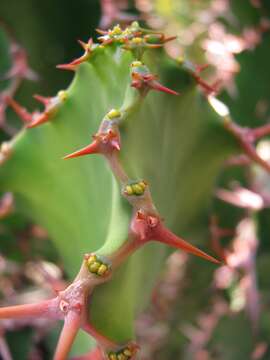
112	356
112	114
93	267
116	30
128	190
137	40
62	94
102	270
121	357
136	64
137	189
127	352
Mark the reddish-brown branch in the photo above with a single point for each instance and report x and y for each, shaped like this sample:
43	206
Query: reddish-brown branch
70	329
246	137
42	309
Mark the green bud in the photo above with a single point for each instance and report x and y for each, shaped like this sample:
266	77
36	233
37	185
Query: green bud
137	189
93	267
102	269
112	114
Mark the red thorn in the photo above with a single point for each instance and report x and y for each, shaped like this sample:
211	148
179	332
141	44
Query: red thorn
73	64
209	89
86	46
154	46
40	119
42	309
44	100
157	86
103	143
167	237
83	44
106	42
93	148
69	67
101	32
171	38
115	144
20	111
200	68
150	227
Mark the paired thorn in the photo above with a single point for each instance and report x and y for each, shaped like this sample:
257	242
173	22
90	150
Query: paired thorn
23	114
103	143
42	99
37	118
194	70
20	67
148	227
144	81
51	106
247	137
72	66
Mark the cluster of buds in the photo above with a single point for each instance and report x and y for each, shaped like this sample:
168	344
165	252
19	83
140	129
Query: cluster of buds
126	353
98	265
135	188
133	37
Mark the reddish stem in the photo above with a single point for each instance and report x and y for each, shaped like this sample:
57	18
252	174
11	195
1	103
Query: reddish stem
4	349
70	329
246	141
101	339
261	131
45	309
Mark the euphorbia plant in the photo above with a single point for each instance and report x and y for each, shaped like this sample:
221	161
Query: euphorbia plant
101	212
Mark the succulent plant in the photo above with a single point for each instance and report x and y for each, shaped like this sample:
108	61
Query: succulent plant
155	156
